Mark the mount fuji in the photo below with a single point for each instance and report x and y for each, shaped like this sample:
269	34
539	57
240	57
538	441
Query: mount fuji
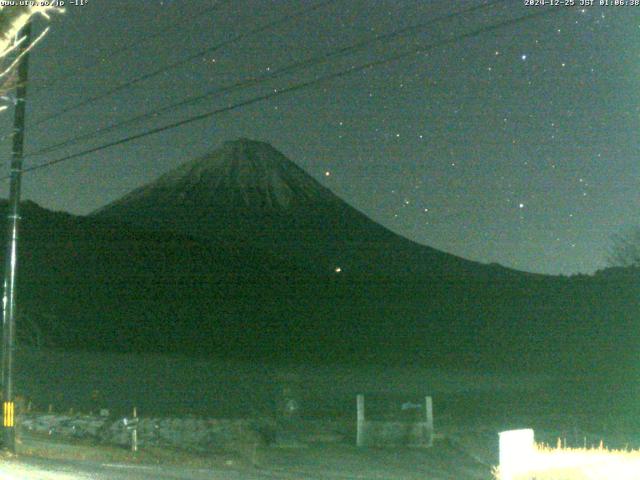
251	198
240	253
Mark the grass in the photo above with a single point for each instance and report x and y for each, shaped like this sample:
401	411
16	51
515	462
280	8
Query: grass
470	408
89	451
558	463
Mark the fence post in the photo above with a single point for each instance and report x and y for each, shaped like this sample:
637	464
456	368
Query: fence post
131	424
360	421
429	411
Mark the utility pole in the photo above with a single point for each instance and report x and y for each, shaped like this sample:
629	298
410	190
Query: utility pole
11	257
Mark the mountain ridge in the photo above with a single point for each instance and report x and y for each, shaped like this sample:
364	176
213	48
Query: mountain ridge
321	282
224	195
253	169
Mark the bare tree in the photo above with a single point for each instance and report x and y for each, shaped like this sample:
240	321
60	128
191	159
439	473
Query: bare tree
12	19
625	249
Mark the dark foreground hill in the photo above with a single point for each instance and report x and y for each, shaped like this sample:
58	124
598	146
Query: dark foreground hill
241	254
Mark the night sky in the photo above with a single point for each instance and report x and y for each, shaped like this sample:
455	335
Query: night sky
517	146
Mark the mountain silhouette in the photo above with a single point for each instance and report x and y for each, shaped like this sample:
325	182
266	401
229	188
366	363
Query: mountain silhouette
242	254
252	198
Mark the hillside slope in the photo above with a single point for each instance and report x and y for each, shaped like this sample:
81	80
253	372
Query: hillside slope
213	259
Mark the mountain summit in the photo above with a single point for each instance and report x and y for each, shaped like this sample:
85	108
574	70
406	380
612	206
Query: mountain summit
241	176
248	196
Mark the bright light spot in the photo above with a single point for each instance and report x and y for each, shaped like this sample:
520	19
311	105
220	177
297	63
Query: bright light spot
521	205
524	56
338	269
520	457
516	451
327	173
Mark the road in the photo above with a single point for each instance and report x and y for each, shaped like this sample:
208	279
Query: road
329	463
45	469
50	460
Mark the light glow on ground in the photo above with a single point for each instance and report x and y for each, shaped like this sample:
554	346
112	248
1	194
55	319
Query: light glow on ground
15	471
548	463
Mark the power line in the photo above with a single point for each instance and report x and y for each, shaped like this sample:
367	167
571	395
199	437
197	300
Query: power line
183	61
160	32
294	88
303	64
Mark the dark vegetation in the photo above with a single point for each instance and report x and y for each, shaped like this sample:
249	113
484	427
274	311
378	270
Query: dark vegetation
260	283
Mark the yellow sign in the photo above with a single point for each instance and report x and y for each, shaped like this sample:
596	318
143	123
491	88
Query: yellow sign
8	409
